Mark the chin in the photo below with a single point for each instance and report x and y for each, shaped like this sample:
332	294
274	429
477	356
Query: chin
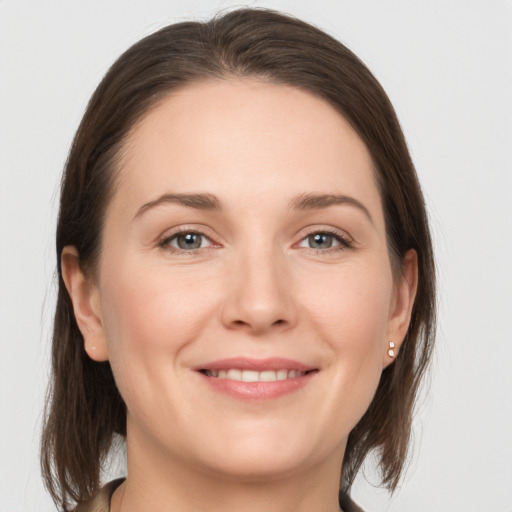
253	468
268	455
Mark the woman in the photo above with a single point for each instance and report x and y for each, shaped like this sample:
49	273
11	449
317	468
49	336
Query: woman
246	279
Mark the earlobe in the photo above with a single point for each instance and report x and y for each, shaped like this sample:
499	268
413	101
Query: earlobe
401	310
86	304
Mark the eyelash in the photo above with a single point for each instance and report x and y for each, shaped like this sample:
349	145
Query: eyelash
344	241
165	243
342	238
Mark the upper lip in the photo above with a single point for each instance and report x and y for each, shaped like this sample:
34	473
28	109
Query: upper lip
247	363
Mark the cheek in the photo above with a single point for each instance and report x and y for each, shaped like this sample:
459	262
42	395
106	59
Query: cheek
352	307
147	306
351	317
150	317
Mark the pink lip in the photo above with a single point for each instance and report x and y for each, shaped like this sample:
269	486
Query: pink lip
256	390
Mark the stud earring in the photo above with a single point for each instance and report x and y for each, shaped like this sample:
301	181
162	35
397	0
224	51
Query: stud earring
391	352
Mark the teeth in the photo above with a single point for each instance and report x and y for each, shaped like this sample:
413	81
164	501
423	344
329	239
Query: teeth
268	376
250	376
254	376
234	374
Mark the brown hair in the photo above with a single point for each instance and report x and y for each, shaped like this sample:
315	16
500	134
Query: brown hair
84	409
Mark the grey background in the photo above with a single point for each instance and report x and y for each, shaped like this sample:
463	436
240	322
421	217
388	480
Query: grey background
447	66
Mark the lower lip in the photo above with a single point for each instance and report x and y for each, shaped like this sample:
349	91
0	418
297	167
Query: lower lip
258	390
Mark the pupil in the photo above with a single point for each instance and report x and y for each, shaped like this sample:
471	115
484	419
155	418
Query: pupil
189	241
320	241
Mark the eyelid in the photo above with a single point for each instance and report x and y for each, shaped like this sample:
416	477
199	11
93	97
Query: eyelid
346	241
331	230
163	241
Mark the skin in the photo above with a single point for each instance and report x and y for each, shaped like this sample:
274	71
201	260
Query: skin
257	287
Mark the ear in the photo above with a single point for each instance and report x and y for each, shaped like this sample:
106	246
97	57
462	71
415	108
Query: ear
401	306
86	304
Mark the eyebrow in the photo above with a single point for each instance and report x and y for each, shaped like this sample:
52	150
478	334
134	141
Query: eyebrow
210	202
319	201
198	201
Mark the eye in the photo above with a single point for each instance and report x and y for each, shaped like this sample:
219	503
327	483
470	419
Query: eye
324	240
186	241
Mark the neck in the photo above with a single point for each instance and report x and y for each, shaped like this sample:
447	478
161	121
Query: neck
160	483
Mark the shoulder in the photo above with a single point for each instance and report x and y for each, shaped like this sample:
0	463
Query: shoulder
101	501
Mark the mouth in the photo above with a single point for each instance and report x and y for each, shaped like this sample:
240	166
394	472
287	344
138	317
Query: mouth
256	379
241	375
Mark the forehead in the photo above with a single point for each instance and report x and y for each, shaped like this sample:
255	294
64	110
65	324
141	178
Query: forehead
246	135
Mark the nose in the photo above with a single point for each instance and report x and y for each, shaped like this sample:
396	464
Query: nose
259	294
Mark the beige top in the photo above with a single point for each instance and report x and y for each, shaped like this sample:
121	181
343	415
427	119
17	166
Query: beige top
101	502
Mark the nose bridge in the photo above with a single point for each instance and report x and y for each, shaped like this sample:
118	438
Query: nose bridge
259	286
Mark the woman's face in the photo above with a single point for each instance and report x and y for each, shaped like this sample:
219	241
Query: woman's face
244	293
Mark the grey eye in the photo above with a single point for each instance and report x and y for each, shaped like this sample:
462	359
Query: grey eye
188	241
321	241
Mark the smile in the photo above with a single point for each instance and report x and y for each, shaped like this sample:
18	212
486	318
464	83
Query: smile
256	379
254	376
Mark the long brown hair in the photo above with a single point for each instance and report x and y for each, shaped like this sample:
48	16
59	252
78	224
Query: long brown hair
84	408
